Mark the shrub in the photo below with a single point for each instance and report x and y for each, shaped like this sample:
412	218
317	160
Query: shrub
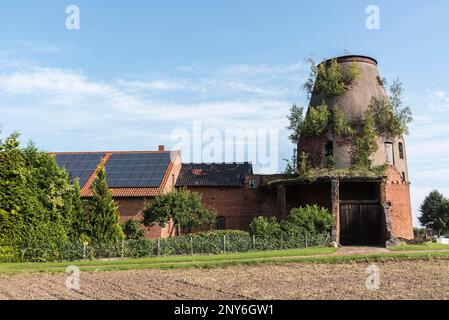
265	227
132	229
309	219
331	80
316	121
339	124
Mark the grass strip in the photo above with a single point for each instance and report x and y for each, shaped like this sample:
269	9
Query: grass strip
127	264
420	247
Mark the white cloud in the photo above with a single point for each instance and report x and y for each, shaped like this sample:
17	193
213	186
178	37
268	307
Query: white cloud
51	81
60	100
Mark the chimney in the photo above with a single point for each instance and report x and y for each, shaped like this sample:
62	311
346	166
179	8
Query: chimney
161	147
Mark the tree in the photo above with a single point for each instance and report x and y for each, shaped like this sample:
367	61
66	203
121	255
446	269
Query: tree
77	218
292	165
296	120
34	207
132	229
402	113
182	207
435	212
103	218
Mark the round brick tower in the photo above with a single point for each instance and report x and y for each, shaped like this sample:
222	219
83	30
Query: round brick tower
354	102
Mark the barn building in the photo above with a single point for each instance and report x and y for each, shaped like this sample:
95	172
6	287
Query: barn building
366	210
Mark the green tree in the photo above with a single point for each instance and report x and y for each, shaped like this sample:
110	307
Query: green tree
182	207
103	217
403	114
292	165
33	201
77	215
133	229
435	212
296	120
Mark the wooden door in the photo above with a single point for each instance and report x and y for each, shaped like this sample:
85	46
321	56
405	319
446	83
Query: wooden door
360	223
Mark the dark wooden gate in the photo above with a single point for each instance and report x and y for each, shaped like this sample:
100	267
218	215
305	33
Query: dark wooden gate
360	222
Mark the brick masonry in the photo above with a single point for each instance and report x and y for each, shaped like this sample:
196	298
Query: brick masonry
240	205
132	208
397	196
314	148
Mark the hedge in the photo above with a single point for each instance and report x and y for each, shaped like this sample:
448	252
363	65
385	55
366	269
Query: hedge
212	242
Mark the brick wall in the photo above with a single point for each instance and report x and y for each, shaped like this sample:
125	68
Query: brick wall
132	208
314	148
309	194
397	193
239	205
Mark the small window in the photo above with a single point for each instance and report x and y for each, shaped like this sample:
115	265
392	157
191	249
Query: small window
389	153
221	223
403	176
401	150
329	149
252	184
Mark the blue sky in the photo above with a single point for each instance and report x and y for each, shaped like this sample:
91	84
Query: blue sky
136	71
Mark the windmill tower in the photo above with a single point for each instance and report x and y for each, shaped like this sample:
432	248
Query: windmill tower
362	212
354	102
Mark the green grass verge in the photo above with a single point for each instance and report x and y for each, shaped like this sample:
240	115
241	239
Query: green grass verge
420	247
168	262
310	255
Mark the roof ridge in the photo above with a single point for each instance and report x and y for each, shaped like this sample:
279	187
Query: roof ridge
238	162
111	152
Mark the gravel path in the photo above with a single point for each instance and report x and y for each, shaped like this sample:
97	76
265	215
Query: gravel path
398	280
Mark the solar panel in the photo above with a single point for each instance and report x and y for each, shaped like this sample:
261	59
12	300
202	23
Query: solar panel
80	166
137	170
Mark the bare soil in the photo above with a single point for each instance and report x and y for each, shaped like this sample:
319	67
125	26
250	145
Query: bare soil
398	280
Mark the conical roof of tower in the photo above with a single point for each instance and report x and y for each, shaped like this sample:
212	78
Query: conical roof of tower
355	100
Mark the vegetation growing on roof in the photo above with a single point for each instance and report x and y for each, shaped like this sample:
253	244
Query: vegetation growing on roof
329	78
387	118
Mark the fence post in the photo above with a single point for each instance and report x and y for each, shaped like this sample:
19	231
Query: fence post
254	242
307	244
191	245
84	250
122	253
224	243
158	246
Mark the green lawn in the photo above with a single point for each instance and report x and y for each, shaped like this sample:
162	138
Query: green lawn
163	262
420	247
309	255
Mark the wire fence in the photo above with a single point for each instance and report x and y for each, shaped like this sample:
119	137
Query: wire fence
181	245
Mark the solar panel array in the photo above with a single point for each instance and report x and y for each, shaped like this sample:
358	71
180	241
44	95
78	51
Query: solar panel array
136	170
80	166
